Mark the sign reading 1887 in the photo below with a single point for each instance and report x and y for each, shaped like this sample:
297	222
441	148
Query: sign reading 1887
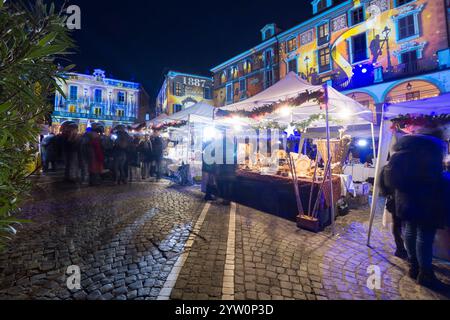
189	81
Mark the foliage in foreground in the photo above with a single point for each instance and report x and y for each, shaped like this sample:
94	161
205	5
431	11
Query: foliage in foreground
31	38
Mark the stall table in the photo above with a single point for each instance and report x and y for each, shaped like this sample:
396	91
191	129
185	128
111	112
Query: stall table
276	195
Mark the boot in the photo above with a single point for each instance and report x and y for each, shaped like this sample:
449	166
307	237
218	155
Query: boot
401	253
413	269
428	279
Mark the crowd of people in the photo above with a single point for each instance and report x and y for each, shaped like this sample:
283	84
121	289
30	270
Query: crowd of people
417	189
88	156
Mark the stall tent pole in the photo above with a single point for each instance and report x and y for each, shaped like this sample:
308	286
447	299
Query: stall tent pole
333	225
188	147
383	151
373	141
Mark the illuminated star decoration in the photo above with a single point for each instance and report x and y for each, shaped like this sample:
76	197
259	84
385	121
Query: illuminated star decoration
290	131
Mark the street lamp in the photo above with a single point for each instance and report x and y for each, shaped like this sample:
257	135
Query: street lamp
386	33
307	66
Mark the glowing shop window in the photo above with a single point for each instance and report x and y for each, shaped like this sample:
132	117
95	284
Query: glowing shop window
97	111
72	108
120	113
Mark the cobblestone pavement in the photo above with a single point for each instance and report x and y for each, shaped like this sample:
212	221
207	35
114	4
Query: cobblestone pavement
125	239
275	260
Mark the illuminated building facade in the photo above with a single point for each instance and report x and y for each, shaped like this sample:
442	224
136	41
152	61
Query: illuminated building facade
95	98
375	51
181	90
248	73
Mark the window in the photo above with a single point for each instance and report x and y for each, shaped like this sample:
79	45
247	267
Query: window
229	93
291	44
223	77
121	97
234	72
402	2
292	65
409	60
359	48
120	112
98	95
406	27
247	67
73	93
98	111
323	32
357	16
324	60
177	108
207	93
415	95
72	108
268	57
242	85
178	89
321	5
269	78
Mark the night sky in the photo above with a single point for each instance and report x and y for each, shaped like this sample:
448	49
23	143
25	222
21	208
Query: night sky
139	40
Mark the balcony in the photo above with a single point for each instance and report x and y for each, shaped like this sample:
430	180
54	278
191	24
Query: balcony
366	74
78	115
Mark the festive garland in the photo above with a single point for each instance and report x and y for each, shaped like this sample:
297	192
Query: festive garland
172	124
259	112
300	126
425	121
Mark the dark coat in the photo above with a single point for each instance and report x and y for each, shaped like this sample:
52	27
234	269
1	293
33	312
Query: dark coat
416	175
157	147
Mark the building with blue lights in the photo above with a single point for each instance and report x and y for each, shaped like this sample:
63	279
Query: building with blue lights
375	51
96	98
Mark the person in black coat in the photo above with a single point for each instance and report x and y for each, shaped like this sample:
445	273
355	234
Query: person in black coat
416	174
208	172
157	153
396	221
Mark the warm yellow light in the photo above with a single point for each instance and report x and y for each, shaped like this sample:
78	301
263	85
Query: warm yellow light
345	113
285	111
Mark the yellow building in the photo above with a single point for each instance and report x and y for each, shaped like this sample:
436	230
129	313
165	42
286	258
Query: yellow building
181	90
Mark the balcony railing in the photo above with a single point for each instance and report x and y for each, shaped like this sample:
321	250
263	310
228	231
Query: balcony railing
381	74
79	115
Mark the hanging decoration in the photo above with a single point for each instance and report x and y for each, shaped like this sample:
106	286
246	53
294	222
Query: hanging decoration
299	126
403	122
258	112
172	124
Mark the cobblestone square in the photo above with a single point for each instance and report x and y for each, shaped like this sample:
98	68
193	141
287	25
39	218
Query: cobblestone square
148	240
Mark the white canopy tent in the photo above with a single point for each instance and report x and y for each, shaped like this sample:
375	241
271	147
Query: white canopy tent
198	111
338	106
437	105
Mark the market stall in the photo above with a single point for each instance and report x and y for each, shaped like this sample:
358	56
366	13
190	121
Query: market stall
434	107
293	106
184	131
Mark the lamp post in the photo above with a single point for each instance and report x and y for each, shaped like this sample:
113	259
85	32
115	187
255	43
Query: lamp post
307	67
386	32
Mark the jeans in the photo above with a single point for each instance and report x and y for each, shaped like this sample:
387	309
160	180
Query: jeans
419	244
156	165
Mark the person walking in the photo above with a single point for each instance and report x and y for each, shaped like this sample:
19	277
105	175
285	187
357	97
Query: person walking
121	144
415	172
396	221
96	156
49	152
226	171
208	172
145	152
133	159
157	153
70	150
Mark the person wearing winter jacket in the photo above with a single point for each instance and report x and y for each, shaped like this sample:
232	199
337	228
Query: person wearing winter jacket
415	172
